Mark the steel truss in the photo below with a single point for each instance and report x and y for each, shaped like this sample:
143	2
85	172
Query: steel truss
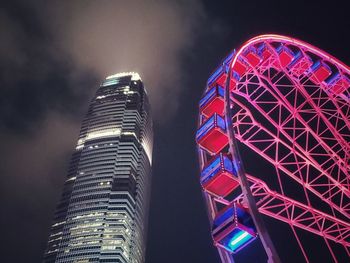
298	121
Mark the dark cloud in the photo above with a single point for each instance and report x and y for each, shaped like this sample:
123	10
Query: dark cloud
56	52
32	170
29	164
35	75
144	36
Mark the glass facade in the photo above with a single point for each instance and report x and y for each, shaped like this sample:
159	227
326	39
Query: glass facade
102	214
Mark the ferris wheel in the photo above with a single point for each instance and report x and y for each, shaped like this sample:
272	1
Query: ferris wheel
274	140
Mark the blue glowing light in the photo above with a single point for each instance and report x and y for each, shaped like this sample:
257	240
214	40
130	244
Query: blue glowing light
208	96
213	168
215	75
223	217
205	128
209	124
238	240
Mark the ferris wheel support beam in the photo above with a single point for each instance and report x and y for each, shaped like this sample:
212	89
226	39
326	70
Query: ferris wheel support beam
294	115
266	241
247	138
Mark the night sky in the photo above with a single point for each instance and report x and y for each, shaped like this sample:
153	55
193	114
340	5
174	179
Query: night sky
54	55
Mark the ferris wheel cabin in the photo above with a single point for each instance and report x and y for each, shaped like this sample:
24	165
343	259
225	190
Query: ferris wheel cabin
218	176
233	228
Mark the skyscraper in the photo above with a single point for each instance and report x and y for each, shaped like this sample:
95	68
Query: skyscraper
102	214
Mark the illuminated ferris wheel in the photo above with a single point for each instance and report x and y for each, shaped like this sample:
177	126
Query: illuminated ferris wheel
287	113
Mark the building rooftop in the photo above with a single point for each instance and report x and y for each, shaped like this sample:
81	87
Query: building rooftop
134	75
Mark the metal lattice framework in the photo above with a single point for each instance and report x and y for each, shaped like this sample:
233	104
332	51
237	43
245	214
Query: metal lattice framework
290	104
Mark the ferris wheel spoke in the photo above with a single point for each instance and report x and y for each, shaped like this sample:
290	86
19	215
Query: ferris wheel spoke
302	216
295	165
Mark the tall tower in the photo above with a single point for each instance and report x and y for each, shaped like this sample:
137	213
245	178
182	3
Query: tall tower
102	214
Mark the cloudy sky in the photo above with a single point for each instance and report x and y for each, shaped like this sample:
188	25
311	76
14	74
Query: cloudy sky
54	54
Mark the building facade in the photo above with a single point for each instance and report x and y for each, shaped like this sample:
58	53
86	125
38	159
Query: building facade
102	214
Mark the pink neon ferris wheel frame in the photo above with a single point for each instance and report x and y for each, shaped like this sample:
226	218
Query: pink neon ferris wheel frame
277	205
